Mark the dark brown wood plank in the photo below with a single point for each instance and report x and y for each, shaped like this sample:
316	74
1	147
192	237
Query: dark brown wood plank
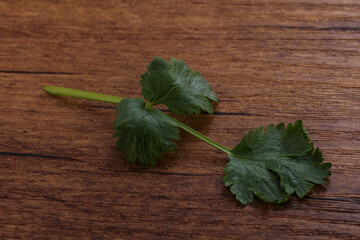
269	61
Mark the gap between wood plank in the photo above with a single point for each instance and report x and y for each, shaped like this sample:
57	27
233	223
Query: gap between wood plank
159	173
36	72
203	113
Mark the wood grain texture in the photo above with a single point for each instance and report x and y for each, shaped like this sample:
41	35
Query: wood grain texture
269	61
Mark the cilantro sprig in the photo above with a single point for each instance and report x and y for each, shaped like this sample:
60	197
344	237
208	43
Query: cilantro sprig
271	164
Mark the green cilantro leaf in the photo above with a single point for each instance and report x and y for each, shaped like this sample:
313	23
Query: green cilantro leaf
275	163
175	85
143	132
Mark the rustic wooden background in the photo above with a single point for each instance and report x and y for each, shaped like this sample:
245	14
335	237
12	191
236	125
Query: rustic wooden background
269	61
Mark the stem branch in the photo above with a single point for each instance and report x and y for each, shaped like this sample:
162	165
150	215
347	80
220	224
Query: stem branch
199	135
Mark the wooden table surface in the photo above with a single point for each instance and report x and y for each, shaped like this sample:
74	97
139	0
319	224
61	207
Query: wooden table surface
269	61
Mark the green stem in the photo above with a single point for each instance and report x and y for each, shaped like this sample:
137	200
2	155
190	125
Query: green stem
200	136
60	91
